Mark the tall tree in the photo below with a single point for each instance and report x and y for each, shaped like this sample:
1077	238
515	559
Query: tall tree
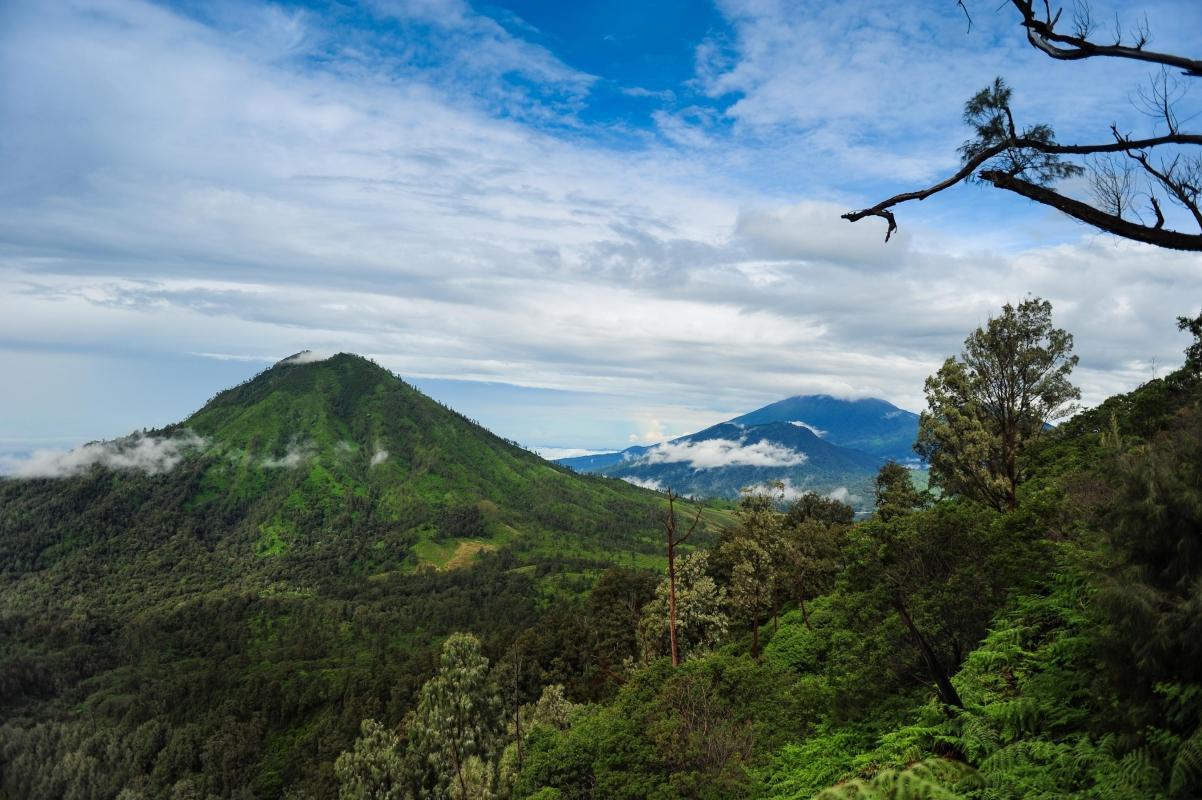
457	720
1164	165
756	552
673	540
812	550
1010	382
894	491
701	621
373	769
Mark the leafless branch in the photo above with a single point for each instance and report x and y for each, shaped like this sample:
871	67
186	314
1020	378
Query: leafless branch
1042	34
1121	144
1172	240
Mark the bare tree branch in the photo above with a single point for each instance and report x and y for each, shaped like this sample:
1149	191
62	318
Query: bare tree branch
1123	144
1042	33
1172	240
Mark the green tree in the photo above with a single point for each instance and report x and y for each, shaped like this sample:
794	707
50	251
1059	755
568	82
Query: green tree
1151	601
816	507
1009	384
458	718
894	491
756	552
1193	353
812	550
701	619
373	769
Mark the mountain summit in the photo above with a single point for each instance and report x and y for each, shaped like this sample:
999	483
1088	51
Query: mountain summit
314	451
811	443
871	425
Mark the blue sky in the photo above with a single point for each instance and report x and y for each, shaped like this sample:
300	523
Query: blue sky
584	224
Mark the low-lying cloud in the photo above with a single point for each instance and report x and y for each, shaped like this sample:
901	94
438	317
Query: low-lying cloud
714	453
646	483
296	454
811	428
379	457
306	357
150	454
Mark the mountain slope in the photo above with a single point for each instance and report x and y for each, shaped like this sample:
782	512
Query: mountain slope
210	609
871	425
813	443
721	460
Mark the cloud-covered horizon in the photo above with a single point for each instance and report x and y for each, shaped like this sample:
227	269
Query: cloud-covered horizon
438	186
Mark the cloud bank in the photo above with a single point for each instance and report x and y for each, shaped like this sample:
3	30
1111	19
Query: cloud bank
150	454
262	180
715	453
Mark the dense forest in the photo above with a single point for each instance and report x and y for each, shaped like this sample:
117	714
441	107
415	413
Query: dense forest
1027	627
221	627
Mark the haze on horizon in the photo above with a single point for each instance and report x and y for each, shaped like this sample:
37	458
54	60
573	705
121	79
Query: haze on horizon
585	225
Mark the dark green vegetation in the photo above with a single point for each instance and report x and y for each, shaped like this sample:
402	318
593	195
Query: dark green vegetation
946	648
814	443
221	628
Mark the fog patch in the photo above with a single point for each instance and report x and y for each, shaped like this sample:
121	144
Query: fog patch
716	453
645	483
306	357
296	454
811	428
153	455
379	457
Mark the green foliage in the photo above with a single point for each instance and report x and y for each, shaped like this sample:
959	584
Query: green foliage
458	719
988	113
813	507
701	617
985	407
373	768
894	491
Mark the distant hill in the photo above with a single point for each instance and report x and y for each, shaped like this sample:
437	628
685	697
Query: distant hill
813	443
874	426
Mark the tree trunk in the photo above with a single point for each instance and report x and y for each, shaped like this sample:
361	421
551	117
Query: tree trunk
775	608
947	692
801	601
755	636
672	601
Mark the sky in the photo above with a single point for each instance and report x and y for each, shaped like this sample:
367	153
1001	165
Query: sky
586	225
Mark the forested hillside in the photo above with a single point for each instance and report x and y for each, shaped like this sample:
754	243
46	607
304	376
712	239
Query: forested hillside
211	609
962	645
281	614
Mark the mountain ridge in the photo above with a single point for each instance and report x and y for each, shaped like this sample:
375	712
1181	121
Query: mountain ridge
822	443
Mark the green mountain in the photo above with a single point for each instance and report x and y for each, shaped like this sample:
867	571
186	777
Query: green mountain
212	607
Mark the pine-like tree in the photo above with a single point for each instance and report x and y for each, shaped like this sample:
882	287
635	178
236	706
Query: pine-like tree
458	719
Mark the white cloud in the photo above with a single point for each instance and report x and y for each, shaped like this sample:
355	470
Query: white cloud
808	427
844	495
555	453
150	454
379	457
296	454
213	196
646	483
306	357
714	453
